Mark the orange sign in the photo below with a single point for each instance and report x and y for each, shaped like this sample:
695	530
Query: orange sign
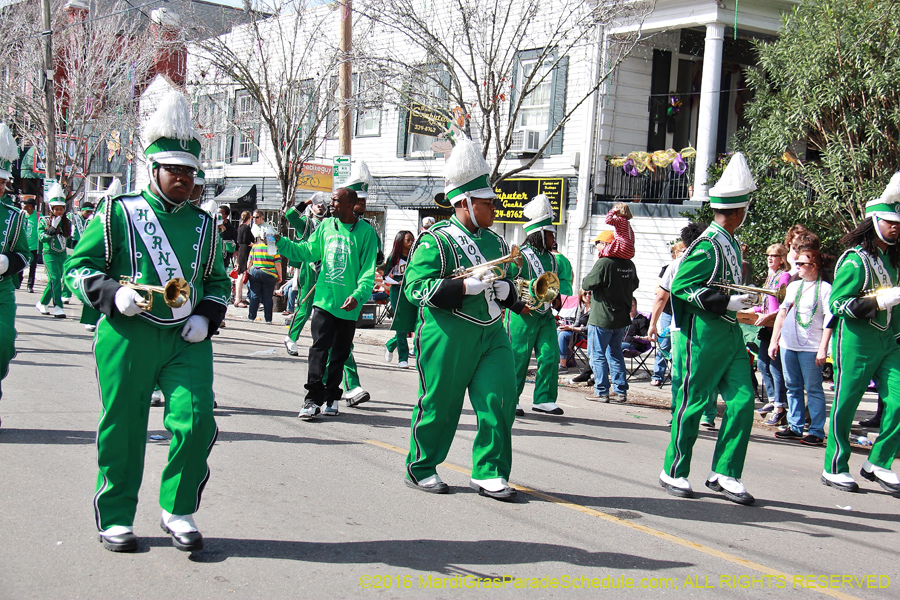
315	178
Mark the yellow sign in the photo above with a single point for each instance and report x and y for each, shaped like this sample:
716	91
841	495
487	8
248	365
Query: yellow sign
516	193
315	178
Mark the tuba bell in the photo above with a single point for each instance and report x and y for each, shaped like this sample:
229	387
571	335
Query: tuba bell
175	293
541	290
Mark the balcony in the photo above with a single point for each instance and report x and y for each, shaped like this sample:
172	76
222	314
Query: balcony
660	186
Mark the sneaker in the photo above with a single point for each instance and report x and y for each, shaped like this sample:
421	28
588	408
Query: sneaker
766	409
42	308
156	398
59	313
590	382
617	398
811	440
581	377
777	418
309	411
656	382
388	355
597	398
789	434
90	328
563	370
874	422
356	396
30	289
403	364
290	345
330	410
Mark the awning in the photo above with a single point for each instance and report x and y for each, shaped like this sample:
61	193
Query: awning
237	194
26	166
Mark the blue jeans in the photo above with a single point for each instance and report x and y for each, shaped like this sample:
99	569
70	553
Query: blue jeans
801	372
564	338
664	344
605	352
262	286
771	371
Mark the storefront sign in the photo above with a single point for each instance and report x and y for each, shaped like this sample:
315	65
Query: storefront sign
315	178
425	120
516	193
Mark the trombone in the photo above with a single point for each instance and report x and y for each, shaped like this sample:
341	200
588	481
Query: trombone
777	293
175	293
492	267
540	290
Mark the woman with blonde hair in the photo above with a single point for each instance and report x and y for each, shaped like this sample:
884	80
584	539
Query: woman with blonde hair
771	370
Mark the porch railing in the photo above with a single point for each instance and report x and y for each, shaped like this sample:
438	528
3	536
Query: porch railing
664	186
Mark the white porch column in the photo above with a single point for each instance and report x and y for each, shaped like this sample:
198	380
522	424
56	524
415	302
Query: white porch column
708	119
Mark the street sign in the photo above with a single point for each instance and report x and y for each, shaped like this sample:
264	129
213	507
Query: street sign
341	171
48	183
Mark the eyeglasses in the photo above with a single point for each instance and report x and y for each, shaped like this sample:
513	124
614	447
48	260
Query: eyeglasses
773	256
257	216
179	170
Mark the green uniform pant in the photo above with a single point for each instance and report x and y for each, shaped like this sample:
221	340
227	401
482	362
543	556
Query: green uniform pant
455	356
709	359
397	342
7	326
303	311
861	354
53	262
351	372
133	357
535	332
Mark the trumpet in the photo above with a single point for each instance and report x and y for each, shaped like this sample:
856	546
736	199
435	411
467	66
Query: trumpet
874	292
541	290
175	293
778	293
492	267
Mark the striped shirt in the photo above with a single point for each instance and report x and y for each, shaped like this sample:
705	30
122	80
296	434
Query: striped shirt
623	244
259	254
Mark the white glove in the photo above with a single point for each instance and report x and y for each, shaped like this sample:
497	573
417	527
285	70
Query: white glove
390	280
55	221
127	301
474	286
502	289
888	298
739	302
4	263
195	329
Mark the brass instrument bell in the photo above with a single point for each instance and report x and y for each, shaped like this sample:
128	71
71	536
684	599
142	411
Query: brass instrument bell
778	293
493	266
175	293
541	290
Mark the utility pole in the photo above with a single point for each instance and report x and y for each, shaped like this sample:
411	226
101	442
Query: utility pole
345	79
49	72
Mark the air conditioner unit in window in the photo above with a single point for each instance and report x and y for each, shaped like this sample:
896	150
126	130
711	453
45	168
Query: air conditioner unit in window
527	141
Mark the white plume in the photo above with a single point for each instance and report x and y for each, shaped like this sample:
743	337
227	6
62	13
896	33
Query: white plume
115	188
736	180
359	171
55	192
539	207
891	193
465	163
172	119
9	150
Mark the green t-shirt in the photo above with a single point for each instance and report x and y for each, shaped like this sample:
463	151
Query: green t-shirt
31	229
347	253
612	282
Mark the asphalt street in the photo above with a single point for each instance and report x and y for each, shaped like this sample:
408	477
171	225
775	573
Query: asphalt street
319	509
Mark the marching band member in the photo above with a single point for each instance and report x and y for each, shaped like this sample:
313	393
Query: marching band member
460	343
54	231
14	252
79	220
535	329
863	344
709	355
150	238
304	224
90	315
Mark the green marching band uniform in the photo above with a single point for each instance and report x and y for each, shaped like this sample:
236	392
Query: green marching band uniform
53	249
864	347
304	225
89	314
14	253
78	224
536	332
151	240
460	341
709	354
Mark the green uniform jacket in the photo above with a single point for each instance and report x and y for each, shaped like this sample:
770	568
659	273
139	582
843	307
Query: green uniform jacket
856	272
348	254
714	257
612	282
13	240
78	224
428	279
51	239
133	236
566	279
550	264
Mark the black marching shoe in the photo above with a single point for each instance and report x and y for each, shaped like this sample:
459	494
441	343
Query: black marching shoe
188	541
886	478
505	494
737	493
432	485
125	541
840	481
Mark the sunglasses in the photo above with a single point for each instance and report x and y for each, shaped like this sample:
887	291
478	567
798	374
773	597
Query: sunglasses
773	256
805	264
257	216
179	170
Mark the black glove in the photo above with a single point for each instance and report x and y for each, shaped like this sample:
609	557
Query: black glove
53	230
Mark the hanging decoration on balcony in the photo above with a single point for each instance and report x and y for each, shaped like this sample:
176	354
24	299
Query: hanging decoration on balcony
674	106
637	162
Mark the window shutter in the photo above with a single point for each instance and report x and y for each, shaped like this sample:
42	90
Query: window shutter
402	130
229	142
558	105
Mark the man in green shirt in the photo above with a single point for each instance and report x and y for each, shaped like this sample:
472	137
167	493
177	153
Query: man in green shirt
151	238
304	218
461	344
709	356
534	330
29	206
864	342
612	282
346	247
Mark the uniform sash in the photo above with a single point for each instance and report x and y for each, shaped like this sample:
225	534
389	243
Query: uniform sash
144	221
536	267
876	268
464	242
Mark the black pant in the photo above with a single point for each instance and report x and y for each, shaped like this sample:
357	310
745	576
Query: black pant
332	341
31	269
262	286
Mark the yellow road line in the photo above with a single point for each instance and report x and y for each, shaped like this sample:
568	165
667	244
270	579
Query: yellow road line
648	530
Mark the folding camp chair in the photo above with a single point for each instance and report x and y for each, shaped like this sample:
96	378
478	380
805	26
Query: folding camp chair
638	361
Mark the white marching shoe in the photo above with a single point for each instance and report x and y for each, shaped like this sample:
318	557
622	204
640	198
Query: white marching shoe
839	481
183	530
676	486
42	308
290	345
59	313
388	355
730	487
886	478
